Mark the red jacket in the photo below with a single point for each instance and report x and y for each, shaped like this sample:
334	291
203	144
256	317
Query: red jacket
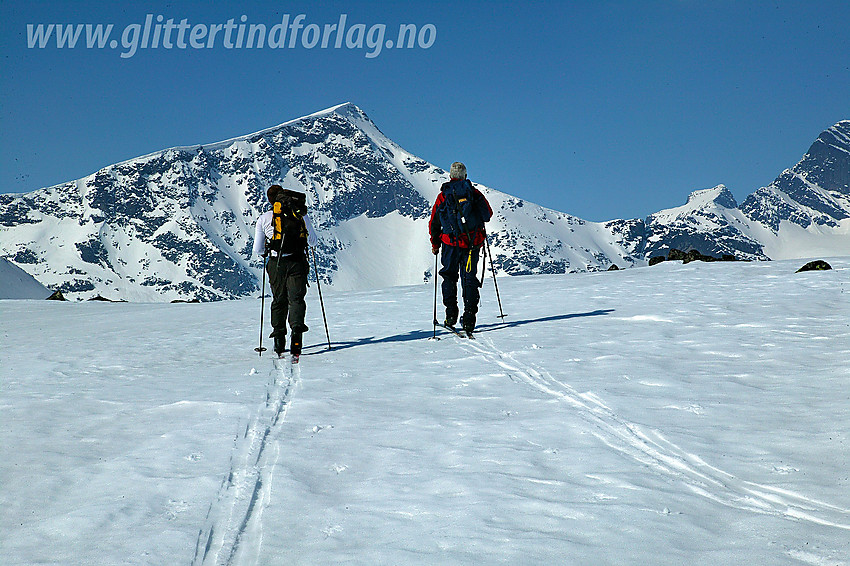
436	231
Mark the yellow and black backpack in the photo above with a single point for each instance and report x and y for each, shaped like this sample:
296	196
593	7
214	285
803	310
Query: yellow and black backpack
290	232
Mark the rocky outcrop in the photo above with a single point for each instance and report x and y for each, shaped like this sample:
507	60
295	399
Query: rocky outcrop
817	265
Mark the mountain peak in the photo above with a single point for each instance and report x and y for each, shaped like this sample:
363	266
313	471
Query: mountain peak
842	127
718	195
701	199
346	110
816	191
834	144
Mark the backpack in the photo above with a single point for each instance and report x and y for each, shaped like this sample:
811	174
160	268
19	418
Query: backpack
290	232
460	212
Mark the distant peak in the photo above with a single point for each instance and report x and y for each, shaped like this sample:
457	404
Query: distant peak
342	109
717	195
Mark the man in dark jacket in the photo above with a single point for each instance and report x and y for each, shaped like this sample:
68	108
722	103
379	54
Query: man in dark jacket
457	227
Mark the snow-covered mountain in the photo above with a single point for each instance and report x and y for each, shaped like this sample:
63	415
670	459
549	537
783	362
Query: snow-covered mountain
178	223
709	222
805	212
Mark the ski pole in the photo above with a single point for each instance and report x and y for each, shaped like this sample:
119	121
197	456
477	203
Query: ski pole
434	337
260	349
321	301
496	285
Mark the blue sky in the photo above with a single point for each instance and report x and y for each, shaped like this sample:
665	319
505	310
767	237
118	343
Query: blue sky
599	109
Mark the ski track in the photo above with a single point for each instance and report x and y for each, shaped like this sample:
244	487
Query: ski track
650	448
233	529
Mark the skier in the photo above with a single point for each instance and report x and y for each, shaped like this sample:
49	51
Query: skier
283	235
457	227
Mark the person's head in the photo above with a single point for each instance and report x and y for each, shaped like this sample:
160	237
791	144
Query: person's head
458	171
273	192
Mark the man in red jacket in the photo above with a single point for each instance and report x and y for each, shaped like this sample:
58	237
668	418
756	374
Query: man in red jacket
457	227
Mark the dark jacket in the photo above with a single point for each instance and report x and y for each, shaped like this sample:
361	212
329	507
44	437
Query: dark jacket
435	228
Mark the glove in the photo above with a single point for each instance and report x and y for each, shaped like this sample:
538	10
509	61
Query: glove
435	250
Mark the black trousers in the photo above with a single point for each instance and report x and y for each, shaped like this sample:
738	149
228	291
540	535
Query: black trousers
288	278
455	261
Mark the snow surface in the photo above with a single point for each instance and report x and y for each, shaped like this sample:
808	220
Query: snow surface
677	414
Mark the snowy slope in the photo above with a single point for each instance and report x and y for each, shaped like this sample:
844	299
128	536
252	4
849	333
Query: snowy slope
672	415
15	283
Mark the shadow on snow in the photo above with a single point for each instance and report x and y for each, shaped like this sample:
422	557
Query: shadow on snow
413	335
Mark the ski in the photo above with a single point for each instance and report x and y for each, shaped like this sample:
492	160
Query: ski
293	359
278	359
458	333
286	364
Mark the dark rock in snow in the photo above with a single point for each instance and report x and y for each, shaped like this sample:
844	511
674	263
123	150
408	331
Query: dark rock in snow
689	256
694	255
105	300
817	265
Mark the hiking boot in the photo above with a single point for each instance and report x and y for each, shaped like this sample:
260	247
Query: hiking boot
468	321
451	316
279	345
295	345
